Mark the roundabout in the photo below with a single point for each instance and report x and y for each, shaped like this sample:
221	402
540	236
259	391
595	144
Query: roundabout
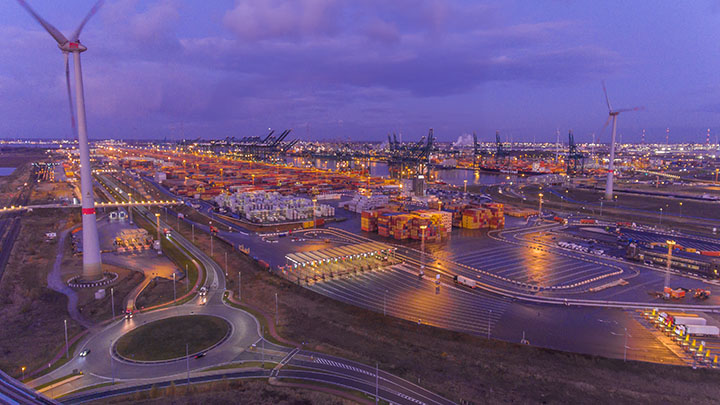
173	338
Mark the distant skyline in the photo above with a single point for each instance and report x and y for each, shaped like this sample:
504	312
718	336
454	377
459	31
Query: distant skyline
337	69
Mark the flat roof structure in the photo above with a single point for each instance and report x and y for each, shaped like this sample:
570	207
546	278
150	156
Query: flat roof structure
347	252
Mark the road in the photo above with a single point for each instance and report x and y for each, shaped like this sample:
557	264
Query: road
102	365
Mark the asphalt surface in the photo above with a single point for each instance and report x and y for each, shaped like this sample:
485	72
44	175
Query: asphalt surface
102	365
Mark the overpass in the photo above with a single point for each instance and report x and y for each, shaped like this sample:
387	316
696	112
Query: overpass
149	203
13	391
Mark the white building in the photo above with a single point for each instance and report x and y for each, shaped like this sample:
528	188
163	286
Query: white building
261	206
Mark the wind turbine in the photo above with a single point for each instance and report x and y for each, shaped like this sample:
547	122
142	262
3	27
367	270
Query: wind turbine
612	115
92	266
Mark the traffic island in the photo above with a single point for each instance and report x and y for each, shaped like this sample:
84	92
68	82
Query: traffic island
165	340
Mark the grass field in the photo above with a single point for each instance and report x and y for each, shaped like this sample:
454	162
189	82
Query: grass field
32	315
166	339
256	392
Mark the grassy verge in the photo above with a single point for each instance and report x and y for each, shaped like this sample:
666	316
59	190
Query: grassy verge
314	384
57	380
246	391
245	364
92	387
167	338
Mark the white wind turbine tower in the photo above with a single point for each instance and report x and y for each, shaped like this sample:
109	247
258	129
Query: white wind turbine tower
92	266
612	114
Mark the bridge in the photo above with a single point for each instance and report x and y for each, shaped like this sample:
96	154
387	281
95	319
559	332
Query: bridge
149	203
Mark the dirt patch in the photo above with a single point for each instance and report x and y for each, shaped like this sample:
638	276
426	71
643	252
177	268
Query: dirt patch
97	310
32	315
159	291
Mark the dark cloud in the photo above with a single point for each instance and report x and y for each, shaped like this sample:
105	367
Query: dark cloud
296	61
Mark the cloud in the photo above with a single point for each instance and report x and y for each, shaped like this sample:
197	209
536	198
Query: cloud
258	20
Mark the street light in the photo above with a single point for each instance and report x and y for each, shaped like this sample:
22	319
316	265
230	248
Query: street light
671	245
661	213
130	208
540	203
465	182
157	219
211	240
23	372
422	248
681	208
314	200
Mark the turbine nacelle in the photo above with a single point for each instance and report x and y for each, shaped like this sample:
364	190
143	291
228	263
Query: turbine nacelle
72	47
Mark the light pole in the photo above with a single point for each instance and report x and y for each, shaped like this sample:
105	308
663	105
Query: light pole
314	200
23	372
193	232
112	301
211	241
680	208
670	244
540	201
422	248
174	291
226	265
239	284
489	315
602	200
67	347
276	309
661	213
157	220
465	185
130	208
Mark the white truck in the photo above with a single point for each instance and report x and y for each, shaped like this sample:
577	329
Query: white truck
689	320
465	281
702	330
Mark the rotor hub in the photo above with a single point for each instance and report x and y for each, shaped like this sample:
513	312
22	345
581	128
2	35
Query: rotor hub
73	47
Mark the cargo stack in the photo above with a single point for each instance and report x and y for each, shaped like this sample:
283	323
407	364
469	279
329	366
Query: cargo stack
383	225
497	217
400	225
475	218
369	221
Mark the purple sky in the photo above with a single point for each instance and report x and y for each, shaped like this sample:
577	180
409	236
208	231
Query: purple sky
340	69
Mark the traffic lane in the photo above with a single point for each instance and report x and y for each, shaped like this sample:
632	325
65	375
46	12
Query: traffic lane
362	371
343	381
409	298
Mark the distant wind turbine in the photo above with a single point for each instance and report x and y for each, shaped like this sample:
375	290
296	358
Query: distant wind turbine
92	266
612	115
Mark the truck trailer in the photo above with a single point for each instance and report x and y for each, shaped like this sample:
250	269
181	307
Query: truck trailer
465	281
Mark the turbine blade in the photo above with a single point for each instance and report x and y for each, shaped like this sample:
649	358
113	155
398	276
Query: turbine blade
76	35
59	37
69	93
631	109
607	100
